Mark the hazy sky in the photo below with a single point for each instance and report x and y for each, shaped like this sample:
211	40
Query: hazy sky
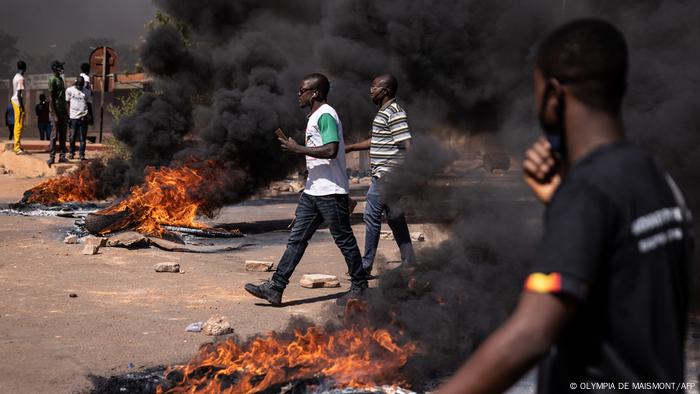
41	24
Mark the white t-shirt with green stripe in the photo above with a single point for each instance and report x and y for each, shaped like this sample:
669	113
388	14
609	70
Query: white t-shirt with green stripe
390	126
326	176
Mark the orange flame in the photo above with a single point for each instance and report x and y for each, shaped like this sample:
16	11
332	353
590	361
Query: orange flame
78	186
169	196
355	357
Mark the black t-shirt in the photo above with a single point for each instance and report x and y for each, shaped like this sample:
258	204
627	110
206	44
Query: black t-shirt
42	112
618	240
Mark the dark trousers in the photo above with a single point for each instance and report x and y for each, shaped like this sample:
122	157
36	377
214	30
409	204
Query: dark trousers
44	131
11	128
310	213
374	208
78	128
58	134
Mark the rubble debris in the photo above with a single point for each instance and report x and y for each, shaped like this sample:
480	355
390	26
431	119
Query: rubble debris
280	187
417	237
296	186
313	281
217	325
128	239
71	239
167	267
258	266
92	240
194	327
176	247
89	250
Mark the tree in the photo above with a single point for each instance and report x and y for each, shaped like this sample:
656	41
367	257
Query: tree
8	54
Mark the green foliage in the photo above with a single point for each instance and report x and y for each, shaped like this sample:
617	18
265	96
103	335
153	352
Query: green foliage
124	106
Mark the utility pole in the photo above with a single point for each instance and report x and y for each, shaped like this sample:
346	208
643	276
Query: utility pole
104	87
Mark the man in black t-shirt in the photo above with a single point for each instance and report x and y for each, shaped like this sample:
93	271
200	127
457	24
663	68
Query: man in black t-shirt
606	303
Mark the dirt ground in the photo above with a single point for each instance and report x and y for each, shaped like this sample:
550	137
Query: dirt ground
126	317
125	313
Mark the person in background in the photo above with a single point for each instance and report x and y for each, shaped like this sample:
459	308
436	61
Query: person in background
85	74
10	120
388	142
59	108
43	120
607	298
80	115
18	106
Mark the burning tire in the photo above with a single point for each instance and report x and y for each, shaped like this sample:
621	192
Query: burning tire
106	223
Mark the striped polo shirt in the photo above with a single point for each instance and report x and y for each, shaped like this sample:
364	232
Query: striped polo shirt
389	127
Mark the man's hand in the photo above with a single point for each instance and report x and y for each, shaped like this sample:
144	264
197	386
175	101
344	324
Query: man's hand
541	170
289	145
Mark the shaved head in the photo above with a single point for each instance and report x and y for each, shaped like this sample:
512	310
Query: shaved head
319	82
387	81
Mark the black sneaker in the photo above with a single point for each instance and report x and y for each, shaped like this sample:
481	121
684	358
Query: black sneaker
62	160
354	293
266	291
50	161
71	156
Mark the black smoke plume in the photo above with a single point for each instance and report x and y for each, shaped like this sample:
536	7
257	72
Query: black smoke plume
463	65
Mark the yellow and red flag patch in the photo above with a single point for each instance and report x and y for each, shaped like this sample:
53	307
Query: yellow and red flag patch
539	282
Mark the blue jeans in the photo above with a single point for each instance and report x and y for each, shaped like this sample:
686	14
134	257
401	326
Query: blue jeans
374	208
78	128
44	131
310	213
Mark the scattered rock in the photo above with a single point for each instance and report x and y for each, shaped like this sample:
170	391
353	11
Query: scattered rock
258	266
90	249
128	239
313	281
386	235
167	267
71	239
98	241
194	327
217	325
296	186
417	237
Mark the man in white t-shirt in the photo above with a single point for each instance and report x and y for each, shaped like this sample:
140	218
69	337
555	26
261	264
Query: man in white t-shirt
325	198
18	105
80	115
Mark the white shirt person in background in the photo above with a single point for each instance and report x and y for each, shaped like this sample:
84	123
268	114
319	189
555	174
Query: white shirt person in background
80	115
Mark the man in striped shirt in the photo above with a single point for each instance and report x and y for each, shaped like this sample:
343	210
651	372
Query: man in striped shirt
390	139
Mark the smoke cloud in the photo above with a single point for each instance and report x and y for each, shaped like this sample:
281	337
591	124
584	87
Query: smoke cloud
225	85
